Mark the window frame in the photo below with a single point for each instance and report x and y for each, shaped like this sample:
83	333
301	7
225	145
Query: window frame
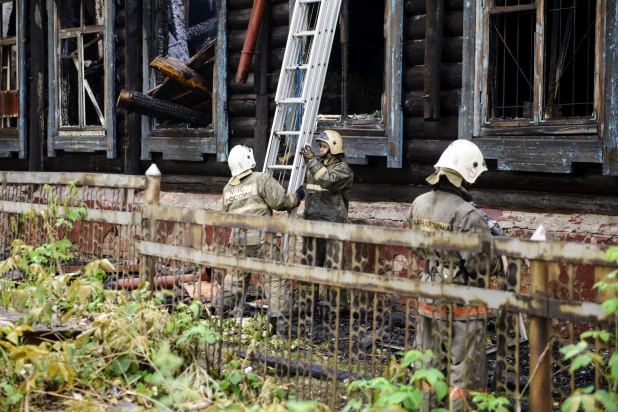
14	139
537	125
82	138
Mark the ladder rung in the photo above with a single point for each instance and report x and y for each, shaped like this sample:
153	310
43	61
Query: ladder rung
305	33
298	67
287	133
280	167
291	100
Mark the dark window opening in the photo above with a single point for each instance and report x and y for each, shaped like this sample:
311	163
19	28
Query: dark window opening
511	61
567	72
569	58
365	74
82	63
8	66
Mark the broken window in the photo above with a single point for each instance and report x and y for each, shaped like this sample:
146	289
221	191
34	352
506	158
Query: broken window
82	63
541	62
355	80
9	101
82	76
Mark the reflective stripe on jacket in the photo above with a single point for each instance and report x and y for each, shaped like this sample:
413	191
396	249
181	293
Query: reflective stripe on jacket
255	194
447	209
328	184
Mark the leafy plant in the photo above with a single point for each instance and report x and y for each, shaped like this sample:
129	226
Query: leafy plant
400	388
581	356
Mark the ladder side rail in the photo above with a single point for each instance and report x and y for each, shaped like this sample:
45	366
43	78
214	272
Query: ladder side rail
293	47
319	67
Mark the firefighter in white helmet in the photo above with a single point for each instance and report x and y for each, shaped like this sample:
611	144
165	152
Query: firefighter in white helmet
328	183
254	193
447	208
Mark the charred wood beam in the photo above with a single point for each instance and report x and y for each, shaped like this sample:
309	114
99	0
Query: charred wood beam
133	73
298	368
414	103
179	49
417	128
180	73
452	51
450	77
247	4
135	102
278	36
36	114
433	58
275	59
277	13
246	57
161	13
415	27
198	35
419	6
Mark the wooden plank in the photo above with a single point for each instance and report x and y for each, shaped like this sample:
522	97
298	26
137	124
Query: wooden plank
81	179
22	77
182	74
433	58
148	52
133	72
109	45
36	89
183	148
610	139
220	115
468	72
394	84
93	215
53	113
528	130
540	155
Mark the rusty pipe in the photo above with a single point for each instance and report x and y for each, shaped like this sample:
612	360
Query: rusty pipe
161	282
255	21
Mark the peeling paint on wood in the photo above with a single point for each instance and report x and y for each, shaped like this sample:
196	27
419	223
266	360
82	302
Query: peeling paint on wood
220	114
469	87
610	141
393	31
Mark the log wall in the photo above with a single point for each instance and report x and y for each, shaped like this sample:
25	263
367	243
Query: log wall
584	190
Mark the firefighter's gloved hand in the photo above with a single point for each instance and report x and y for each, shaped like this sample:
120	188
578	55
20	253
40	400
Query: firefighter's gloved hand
307	152
300	193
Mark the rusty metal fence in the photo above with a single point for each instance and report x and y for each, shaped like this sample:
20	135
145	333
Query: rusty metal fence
319	305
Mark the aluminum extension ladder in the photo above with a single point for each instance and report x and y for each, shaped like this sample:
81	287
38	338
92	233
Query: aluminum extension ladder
299	90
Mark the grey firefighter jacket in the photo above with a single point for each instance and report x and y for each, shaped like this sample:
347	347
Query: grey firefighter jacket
255	194
447	209
328	189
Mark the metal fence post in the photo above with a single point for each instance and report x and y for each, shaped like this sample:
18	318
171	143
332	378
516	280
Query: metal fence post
149	226
540	344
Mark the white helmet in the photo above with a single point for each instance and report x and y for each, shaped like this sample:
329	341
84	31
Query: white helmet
240	160
464	158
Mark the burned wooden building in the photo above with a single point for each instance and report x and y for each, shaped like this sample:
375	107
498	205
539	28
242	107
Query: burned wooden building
114	85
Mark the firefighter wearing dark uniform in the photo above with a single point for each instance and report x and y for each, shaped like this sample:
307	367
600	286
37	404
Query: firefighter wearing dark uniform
258	194
447	208
328	183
